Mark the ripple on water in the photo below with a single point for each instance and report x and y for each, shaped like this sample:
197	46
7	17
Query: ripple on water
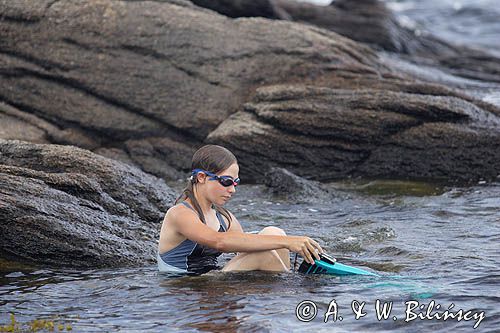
392	251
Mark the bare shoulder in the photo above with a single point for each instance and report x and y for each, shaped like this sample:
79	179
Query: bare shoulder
179	213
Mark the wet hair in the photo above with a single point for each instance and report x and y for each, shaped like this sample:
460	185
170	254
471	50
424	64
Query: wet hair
211	158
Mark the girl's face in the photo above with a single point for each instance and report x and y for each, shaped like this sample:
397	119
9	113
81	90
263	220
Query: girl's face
215	192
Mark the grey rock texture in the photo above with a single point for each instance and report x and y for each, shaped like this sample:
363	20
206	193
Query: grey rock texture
67	207
325	134
294	189
148	82
370	21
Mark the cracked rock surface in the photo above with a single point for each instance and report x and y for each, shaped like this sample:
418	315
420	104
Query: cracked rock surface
326	134
371	22
65	206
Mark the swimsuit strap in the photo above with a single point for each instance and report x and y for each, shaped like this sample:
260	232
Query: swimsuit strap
185	203
221	220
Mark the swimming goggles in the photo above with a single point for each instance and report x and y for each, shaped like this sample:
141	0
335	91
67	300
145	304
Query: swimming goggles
225	181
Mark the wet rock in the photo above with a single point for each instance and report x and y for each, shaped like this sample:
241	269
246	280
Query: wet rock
330	134
292	188
64	206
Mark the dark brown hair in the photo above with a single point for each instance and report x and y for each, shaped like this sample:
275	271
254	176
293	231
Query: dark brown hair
211	158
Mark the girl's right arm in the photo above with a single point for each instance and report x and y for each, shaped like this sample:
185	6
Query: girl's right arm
187	223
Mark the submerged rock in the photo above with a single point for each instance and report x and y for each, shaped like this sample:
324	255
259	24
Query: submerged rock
292	188
64	206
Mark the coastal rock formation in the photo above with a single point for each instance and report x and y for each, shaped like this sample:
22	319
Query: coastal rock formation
65	206
371	22
106	75
329	133
148	82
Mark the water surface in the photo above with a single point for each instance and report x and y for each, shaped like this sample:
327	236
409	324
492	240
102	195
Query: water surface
427	243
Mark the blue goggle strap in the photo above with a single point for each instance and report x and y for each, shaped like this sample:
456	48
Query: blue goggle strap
208	173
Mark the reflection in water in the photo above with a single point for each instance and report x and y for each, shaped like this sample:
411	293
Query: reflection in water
220	297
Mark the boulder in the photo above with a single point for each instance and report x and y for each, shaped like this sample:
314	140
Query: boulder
294	189
148	82
106	75
330	134
63	206
371	22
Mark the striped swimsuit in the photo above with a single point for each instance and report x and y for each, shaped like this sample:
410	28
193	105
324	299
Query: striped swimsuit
189	256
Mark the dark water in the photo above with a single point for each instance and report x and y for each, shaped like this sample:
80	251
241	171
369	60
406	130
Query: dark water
427	243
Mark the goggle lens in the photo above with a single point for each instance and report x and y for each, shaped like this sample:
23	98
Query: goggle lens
226	182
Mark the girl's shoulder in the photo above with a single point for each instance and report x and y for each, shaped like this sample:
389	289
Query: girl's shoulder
177	210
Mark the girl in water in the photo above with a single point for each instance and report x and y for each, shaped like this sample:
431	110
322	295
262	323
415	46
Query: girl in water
197	229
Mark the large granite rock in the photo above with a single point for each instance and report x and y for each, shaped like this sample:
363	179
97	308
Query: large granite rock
326	134
105	75
148	82
65	206
371	22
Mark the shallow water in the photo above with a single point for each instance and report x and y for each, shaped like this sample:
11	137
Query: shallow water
427	243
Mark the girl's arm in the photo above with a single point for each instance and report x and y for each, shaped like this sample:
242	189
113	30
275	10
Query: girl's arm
187	223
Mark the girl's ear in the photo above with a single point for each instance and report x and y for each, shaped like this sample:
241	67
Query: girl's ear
201	177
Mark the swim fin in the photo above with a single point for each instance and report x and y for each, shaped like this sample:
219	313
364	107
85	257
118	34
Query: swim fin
329	265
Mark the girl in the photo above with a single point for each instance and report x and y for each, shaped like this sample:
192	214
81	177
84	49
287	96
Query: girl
198	229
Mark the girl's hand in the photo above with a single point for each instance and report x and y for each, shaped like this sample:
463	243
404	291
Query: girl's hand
306	247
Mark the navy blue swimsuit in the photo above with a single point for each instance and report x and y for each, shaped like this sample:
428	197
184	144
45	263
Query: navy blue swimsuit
189	256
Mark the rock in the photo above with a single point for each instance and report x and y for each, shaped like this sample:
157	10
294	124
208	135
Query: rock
292	188
148	82
330	134
66	207
241	8
100	74
367	21
371	22
163	157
